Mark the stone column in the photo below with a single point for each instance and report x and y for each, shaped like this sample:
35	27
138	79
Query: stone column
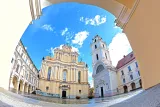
60	73
71	74
68	75
55	72
86	75
52	73
75	74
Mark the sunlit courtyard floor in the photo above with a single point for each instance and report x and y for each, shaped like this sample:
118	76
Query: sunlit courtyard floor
10	99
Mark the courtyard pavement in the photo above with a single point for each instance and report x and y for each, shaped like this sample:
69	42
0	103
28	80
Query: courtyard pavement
10	99
139	98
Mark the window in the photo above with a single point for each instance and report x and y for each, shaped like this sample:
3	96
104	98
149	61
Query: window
49	74
124	80
12	60
17	69
95	46
136	64
79	91
138	73
106	55
99	69
129	68
22	54
95	40
122	72
103	45
47	88
64	75
79	76
97	56
131	76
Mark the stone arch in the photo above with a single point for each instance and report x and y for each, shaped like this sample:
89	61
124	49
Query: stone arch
14	84
20	88
133	86
100	68
18	65
96	66
125	89
25	88
113	6
22	72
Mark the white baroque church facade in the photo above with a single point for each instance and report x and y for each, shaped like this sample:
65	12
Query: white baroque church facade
104	74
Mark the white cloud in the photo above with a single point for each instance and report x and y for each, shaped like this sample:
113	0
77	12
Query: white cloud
80	37
26	48
97	20
119	47
51	50
74	49
91	83
47	27
64	31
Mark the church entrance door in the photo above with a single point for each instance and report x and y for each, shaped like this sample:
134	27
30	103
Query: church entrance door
63	94
102	92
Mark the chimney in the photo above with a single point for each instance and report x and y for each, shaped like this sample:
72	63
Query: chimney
124	56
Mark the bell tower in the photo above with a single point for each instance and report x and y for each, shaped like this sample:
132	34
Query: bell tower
100	51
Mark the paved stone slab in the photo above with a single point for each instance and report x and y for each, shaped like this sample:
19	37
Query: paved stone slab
148	98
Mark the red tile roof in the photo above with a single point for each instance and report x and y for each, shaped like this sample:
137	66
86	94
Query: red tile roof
125	60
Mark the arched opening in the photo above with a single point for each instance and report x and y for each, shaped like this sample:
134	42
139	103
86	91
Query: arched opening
20	88
29	89
99	69
79	76
49	74
125	89
25	88
133	86
64	75
140	83
14	84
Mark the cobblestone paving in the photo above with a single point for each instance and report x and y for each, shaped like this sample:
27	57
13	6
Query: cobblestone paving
21	101
148	98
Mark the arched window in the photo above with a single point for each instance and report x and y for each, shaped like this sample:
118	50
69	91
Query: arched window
99	69
64	75
97	56
49	74
95	46
106	55
79	76
17	69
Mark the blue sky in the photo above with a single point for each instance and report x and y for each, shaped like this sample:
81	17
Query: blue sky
75	24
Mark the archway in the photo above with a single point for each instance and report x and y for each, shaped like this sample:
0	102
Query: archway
133	86
20	88
25	88
132	29
140	83
14	83
29	89
125	89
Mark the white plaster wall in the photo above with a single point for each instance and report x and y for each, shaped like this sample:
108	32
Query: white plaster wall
113	80
126	71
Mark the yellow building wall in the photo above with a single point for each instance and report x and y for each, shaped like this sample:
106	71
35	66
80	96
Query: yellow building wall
70	93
